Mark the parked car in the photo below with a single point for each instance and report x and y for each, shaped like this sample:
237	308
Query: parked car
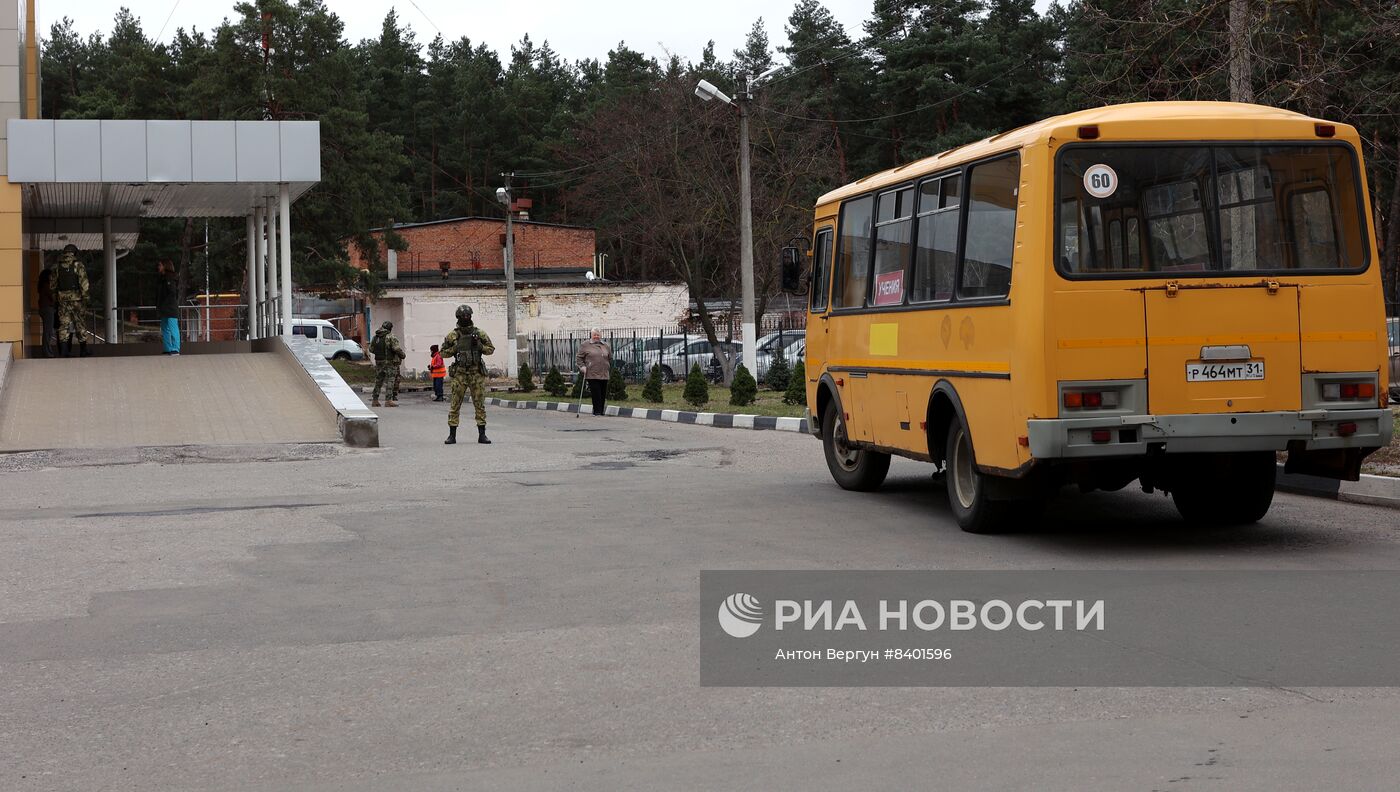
1392	332
792	342
650	352
332	344
679	357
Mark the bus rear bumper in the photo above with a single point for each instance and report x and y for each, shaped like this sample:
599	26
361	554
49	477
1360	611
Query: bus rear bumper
1135	435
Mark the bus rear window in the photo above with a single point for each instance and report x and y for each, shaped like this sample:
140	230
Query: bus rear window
1125	210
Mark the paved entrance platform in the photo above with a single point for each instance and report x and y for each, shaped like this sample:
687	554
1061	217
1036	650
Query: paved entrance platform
112	402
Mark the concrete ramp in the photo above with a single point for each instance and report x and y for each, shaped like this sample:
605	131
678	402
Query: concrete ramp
154	400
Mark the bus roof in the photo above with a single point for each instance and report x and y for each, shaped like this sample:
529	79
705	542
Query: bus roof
1191	114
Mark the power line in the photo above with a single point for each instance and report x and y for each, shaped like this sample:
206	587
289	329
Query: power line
425	16
167	20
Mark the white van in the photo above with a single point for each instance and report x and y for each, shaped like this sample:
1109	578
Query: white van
333	345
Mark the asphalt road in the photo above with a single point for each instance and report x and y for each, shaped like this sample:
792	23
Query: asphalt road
523	616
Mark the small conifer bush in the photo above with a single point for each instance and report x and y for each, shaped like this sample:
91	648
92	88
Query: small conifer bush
527	379
554	382
743	390
617	387
697	390
652	390
778	373
797	385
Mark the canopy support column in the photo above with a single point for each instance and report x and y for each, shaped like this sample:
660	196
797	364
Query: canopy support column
264	286
109	279
284	237
250	259
274	290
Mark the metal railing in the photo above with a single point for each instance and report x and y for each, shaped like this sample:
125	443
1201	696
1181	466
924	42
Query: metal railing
674	349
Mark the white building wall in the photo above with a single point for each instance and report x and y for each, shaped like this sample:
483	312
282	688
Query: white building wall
422	317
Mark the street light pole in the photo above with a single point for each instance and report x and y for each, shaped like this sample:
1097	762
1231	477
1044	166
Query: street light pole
512	350
741	101
749	331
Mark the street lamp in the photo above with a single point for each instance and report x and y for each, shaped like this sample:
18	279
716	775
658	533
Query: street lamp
512	350
706	91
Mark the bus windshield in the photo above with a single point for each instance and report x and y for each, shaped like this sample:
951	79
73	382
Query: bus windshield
1146	209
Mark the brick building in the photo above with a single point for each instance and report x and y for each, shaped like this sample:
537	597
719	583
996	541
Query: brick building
450	262
473	248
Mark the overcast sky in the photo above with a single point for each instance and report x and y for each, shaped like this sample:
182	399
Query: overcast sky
576	29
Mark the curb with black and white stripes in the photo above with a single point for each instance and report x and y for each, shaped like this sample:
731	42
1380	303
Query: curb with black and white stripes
1373	490
727	420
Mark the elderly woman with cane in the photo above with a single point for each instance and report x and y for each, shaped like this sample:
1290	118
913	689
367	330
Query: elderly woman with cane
595	364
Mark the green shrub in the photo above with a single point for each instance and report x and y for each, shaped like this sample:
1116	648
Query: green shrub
743	390
576	391
797	385
527	378
652	391
697	390
778	373
617	387
554	382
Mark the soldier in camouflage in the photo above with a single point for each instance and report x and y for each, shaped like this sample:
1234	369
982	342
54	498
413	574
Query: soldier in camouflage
467	345
71	286
388	354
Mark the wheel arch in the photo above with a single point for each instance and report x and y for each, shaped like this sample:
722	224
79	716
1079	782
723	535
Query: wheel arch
944	405
827	392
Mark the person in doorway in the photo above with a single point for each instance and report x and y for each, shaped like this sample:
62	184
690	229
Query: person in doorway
437	370
48	314
388	354
71	287
168	306
468	346
595	364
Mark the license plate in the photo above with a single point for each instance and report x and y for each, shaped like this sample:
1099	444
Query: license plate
1225	372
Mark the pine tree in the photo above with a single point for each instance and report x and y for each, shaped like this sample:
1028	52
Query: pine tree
743	390
697	390
778	372
652	391
554	382
527	378
617	387
797	384
576	391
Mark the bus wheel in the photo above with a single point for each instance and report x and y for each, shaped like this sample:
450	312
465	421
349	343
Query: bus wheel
1230	489
857	469
973	508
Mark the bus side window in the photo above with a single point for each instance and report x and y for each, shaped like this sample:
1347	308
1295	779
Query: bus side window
936	249
991	229
1115	243
851	277
821	269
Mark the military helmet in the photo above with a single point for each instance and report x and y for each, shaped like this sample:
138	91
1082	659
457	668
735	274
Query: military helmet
387	326
464	313
70	248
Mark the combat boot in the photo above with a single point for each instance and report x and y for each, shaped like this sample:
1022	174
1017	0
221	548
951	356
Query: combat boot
481	435
374	403
391	403
451	436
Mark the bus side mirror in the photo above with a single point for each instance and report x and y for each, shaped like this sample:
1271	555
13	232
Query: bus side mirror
792	266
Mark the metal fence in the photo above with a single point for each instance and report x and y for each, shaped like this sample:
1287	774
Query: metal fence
675	349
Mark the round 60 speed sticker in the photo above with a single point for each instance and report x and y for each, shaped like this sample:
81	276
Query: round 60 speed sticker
1100	181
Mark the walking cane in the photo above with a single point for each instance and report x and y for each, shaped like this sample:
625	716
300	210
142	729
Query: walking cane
581	383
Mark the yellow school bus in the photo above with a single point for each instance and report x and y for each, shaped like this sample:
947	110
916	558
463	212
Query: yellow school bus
1167	292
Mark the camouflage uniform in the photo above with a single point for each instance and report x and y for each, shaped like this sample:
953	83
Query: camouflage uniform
386	363
467	344
71	287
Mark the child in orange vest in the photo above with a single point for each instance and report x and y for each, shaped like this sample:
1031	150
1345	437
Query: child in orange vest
438	370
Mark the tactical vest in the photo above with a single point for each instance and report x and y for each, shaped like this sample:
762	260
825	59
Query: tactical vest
379	347
469	350
67	280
